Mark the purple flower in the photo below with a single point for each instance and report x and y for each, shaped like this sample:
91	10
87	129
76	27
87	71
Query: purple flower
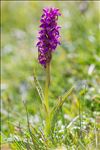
48	35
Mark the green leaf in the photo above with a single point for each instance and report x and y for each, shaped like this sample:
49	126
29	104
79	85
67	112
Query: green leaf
38	87
57	108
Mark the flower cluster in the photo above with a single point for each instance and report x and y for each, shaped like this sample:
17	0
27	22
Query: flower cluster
48	35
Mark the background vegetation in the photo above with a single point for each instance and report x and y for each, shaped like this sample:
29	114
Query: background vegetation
76	62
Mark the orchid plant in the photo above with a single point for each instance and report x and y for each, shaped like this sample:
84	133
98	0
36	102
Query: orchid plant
49	39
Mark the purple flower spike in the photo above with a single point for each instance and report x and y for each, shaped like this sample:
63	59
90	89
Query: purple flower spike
48	35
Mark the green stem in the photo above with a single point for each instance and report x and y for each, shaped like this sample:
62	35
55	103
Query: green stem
46	101
47	87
